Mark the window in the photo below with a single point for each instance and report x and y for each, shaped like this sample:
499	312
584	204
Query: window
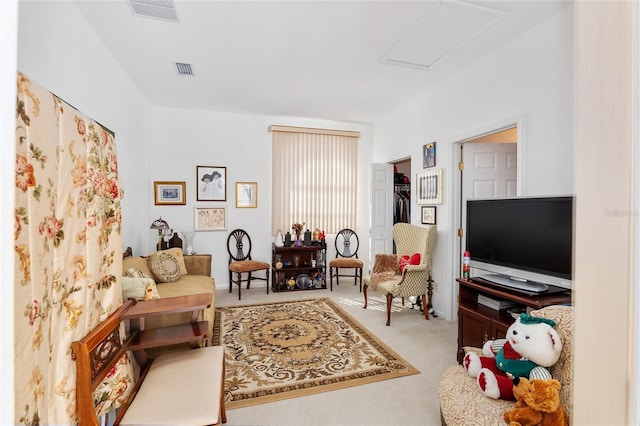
314	178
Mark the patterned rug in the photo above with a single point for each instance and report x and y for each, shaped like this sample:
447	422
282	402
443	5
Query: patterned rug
284	350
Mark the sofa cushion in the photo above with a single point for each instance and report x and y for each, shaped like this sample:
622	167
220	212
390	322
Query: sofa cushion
175	252
165	267
139	288
462	403
139	263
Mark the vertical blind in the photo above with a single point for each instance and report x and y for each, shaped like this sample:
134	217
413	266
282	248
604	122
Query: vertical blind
314	179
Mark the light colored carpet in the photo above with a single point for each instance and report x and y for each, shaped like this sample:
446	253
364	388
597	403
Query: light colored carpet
284	350
430	346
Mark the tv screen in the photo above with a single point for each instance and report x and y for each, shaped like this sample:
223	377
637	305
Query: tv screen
522	240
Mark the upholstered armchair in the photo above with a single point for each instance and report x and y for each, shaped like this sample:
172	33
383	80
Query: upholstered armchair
415	279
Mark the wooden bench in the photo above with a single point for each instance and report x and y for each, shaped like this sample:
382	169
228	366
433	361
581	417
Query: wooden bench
177	388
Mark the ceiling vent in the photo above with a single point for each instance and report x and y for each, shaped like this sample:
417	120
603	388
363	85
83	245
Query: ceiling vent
442	30
184	69
156	9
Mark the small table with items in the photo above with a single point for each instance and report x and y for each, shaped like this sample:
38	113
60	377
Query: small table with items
299	268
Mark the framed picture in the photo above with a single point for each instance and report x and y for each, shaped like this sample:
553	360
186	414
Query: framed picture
210	219
246	194
429	155
429	186
211	183
429	215
170	193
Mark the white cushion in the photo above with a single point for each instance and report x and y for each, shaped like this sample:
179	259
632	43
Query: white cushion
139	288
181	388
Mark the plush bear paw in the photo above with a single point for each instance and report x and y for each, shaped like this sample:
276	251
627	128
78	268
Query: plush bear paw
488	383
472	363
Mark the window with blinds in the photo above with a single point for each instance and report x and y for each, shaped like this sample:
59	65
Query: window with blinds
314	178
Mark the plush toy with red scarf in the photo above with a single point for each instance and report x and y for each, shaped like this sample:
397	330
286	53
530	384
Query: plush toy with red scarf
532	345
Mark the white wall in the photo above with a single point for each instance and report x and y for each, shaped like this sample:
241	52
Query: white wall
58	49
530	77
184	139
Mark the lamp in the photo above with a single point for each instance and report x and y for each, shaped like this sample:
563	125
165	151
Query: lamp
163	230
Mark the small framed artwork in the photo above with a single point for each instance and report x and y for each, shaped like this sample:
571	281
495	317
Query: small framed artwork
211	183
170	193
429	186
246	194
210	219
428	215
429	155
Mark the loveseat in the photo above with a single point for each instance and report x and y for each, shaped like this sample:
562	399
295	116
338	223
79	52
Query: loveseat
196	280
462	403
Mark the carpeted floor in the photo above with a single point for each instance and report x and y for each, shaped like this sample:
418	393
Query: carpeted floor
430	346
289	349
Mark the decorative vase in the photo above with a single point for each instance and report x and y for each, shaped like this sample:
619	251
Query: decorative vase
287	239
175	241
296	260
307	238
278	240
188	247
298	242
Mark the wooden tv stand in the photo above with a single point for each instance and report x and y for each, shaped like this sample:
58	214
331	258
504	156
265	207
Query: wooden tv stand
478	323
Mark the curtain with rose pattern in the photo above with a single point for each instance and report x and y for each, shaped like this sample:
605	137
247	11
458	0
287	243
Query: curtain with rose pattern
68	250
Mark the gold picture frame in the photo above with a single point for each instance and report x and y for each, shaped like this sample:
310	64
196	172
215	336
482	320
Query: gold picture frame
210	219
170	193
246	195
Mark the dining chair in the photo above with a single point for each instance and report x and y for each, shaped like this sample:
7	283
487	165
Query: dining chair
240	262
347	244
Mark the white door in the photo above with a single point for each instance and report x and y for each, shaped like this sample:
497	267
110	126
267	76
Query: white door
490	171
381	210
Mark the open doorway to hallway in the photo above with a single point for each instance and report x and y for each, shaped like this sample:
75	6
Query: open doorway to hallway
487	168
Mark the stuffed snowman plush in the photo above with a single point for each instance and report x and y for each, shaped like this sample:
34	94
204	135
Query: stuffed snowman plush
531	346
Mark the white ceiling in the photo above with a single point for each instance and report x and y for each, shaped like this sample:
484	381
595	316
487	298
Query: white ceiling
347	61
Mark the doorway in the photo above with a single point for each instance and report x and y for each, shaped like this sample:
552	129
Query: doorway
488	167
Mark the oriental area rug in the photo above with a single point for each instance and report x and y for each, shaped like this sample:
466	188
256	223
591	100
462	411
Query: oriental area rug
284	350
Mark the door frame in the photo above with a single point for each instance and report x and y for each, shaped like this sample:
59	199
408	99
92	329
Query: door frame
455	144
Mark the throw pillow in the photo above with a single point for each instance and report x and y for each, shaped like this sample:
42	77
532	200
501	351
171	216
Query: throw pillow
177	253
405	260
139	288
137	262
137	273
165	267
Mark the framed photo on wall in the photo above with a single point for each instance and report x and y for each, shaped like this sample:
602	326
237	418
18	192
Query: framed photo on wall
169	193
211	183
429	187
246	194
210	219
428	215
429	155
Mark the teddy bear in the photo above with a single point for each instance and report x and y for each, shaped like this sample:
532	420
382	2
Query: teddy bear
537	403
531	346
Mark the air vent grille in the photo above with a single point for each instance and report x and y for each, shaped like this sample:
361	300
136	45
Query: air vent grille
158	9
184	69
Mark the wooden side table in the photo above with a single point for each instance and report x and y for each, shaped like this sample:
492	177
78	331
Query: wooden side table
191	332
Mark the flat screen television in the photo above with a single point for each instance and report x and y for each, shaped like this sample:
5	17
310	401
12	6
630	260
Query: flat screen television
525	243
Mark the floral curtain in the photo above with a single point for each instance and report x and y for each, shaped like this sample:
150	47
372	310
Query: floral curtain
68	248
